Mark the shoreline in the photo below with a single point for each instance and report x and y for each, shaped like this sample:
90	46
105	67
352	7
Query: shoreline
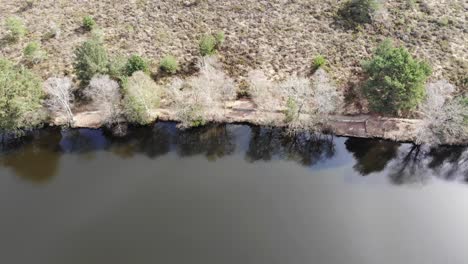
244	111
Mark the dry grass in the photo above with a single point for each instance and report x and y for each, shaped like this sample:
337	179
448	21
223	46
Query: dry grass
279	37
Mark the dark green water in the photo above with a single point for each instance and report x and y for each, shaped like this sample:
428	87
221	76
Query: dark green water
229	194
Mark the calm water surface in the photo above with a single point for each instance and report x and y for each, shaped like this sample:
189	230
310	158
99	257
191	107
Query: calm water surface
229	194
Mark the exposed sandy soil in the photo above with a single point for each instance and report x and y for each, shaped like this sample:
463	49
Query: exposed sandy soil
279	36
244	111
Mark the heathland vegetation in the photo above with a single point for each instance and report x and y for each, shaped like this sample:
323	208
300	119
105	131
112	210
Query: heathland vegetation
392	80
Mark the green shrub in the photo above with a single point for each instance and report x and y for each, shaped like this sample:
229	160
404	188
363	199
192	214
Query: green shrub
90	59
359	11
210	43
21	98
207	45
33	52
291	110
136	63
141	95
89	23
15	28
318	62
396	80
169	64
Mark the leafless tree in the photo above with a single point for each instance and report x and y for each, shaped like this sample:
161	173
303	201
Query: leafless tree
326	98
202	97
105	97
264	92
60	97
443	116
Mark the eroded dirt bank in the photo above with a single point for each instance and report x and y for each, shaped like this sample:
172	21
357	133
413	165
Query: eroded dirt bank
244	111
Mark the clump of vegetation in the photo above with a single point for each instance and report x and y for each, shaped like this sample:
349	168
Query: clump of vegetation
444	118
263	91
141	95
89	23
33	53
116	67
60	97
90	59
292	111
396	80
326	99
359	11
136	63
20	103
104	94
15	28
202	98
209	44
169	64
318	62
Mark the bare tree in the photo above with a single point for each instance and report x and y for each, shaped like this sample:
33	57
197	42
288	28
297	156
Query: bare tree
264	92
60	97
326	98
105	97
202	98
443	116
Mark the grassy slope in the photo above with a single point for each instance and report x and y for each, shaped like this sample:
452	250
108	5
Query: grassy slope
278	36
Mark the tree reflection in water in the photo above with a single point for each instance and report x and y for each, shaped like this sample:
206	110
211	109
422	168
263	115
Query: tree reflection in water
35	157
371	155
417	164
214	141
151	142
305	148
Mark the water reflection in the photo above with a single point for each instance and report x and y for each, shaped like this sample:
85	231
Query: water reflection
371	155
37	157
214	142
418	164
34	157
306	148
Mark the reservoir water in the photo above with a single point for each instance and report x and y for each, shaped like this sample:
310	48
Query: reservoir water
229	194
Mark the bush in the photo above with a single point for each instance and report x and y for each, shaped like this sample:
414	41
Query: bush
396	80
90	59
89	23
15	28
318	62
136	63
169	64
207	45
21	99
359	11
33	53
292	111
141	95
